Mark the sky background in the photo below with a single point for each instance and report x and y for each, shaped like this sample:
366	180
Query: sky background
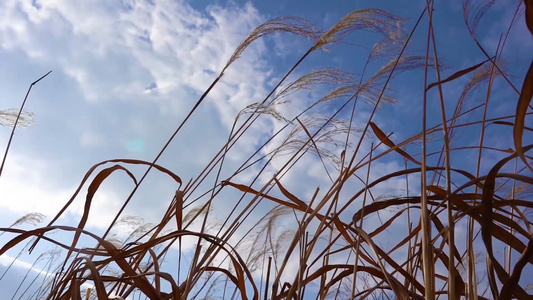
125	74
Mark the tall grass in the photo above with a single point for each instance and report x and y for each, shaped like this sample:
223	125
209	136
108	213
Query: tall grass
334	248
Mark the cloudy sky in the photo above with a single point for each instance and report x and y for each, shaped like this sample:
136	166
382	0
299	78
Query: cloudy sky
127	72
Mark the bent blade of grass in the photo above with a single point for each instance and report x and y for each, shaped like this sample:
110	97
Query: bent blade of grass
247	189
510	285
96	278
92	169
521	108
315	146
456	75
511	124
487	220
386	141
529	15
93	188
17	120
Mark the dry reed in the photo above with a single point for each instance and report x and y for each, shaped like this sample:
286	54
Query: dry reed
334	249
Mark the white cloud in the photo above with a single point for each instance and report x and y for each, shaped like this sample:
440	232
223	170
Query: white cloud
137	69
25	187
117	50
90	139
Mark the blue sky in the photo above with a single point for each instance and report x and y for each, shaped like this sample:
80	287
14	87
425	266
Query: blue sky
125	73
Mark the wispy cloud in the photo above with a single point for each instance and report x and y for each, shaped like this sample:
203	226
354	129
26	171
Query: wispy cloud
137	66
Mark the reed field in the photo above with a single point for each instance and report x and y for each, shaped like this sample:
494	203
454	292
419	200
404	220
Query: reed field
453	221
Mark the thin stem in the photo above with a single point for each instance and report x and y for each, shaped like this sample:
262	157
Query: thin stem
17	120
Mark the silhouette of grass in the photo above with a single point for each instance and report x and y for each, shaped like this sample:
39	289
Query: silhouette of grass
335	248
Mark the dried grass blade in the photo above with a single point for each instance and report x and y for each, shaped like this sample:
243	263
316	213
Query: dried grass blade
460	289
142	162
289	195
437	190
385	140
511	283
247	189
398	288
91	170
179	209
521	109
342	230
486	220
414	232
529	15
140	282
93	187
175	287
442	231
26	234
95	277
510	124
314	145
404	172
155	263
231	277
267	285
110	249
456	75
349	271
75	292
239	272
